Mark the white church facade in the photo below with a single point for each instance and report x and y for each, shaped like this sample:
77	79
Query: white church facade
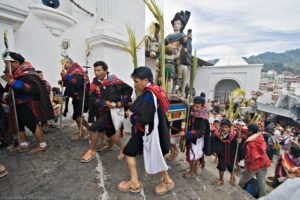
36	31
229	73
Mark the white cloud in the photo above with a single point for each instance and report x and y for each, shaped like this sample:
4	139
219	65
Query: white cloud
240	27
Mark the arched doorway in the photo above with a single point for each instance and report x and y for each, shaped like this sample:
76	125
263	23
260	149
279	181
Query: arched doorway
224	88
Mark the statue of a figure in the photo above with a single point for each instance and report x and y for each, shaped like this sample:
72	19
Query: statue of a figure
178	38
251	103
181	45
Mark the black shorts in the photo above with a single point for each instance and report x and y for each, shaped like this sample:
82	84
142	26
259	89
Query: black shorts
101	125
26	117
134	145
76	108
222	165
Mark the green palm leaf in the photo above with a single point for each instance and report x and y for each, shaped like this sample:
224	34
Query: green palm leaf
157	12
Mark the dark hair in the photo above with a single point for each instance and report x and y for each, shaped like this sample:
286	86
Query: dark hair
225	122
199	100
203	94
69	60
253	127
38	71
216	121
101	63
270	130
142	73
15	56
295	150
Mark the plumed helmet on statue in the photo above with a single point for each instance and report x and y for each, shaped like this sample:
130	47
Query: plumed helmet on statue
183	17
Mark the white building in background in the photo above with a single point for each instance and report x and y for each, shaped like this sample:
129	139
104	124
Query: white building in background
227	74
295	88
36	31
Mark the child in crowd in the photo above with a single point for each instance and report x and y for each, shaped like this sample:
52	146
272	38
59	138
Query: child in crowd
215	126
197	136
224	143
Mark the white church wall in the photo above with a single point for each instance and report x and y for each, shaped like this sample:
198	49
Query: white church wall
35	42
42	49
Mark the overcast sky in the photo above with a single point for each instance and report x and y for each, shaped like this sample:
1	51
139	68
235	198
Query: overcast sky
237	27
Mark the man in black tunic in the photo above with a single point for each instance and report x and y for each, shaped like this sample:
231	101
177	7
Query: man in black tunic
106	92
32	101
74	80
141	113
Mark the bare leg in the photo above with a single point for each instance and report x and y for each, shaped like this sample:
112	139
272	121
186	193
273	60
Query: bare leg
198	166
221	178
116	139
166	184
85	124
39	134
78	124
166	177
191	172
22	137
102	139
131	162
232	179
94	138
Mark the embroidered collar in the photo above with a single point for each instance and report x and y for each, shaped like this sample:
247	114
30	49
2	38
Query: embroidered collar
222	138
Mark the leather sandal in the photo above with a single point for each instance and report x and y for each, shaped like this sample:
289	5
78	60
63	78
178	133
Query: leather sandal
173	155
38	149
2	168
163	187
232	181
83	136
126	186
88	156
120	156
219	182
3	171
170	157
18	149
101	147
198	170
188	175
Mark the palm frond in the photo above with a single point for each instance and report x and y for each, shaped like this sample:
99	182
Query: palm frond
257	118
237	93
131	48
157	13
253	119
141	42
229	112
151	29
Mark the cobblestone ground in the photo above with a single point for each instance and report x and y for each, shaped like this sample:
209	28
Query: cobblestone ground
58	174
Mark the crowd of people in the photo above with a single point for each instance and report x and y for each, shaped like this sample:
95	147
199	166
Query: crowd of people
108	100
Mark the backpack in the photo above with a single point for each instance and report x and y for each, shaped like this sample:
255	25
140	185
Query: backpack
252	187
